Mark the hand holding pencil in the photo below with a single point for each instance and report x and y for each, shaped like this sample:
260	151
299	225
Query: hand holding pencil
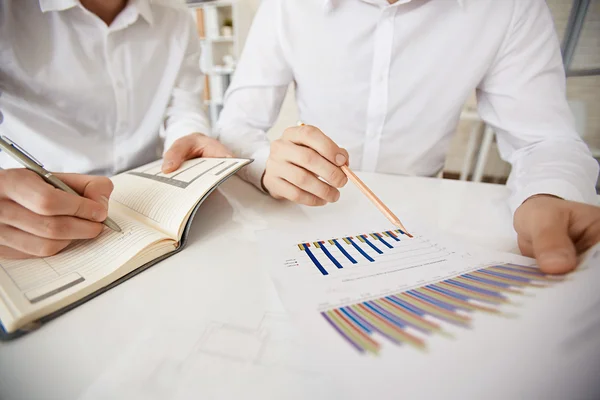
296	162
307	167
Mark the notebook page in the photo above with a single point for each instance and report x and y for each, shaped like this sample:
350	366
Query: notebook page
30	285
165	200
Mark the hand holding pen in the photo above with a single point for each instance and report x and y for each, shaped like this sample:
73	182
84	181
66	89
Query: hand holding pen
37	219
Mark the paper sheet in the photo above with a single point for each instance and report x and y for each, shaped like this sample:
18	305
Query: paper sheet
423	317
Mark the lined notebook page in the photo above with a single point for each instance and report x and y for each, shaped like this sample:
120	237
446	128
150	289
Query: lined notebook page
39	281
166	199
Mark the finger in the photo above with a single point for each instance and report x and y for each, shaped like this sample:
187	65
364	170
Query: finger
32	192
59	227
97	188
30	244
586	225
192	146
552	246
525	246
314	138
179	151
215	149
280	188
307	181
311	161
7	252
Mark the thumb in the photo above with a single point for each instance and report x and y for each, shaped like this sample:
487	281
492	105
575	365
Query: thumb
191	146
552	247
177	154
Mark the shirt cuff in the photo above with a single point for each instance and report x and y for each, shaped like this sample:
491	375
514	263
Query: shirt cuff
253	173
559	188
179	130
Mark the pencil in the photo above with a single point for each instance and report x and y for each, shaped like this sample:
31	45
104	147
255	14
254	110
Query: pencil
374	199
371	196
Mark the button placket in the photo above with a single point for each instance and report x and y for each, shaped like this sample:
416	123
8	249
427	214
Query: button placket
378	96
121	102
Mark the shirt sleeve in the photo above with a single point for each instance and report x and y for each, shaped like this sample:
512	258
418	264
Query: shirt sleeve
523	98
254	98
185	112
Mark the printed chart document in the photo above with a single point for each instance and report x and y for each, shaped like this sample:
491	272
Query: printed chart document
153	210
410	310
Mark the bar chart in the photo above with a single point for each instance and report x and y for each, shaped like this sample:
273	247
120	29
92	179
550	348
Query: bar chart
411	316
351	250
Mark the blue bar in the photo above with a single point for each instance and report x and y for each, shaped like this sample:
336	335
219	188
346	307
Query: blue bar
371	244
406	306
422	312
344	252
355	320
405	322
474	288
386	315
360	250
431	300
506	276
328	254
392	235
357	317
383	241
356	346
486	281
533	271
314	260
449	293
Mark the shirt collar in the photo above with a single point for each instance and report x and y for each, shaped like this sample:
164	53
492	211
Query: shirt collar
331	4
142	7
57	5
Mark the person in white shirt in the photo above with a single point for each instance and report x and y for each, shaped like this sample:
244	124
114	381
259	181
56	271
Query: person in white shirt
386	80
92	87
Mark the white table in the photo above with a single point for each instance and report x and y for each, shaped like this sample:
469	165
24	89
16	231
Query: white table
215	301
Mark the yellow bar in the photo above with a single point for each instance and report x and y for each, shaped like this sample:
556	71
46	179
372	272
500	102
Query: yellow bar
301	247
331	242
356	338
374	236
347	241
361	238
386	234
317	245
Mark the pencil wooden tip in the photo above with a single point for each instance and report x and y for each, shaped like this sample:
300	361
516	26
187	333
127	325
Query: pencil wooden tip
402	228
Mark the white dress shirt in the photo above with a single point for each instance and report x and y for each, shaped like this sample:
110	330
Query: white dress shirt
84	97
388	83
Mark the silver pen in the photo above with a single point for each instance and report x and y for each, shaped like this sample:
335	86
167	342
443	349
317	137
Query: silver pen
19	154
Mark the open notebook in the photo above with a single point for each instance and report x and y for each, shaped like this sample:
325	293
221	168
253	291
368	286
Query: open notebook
154	211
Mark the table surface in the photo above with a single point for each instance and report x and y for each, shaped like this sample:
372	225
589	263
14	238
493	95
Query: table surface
217	290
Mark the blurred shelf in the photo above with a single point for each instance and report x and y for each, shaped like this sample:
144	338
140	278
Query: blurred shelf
214	3
220	39
213	102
